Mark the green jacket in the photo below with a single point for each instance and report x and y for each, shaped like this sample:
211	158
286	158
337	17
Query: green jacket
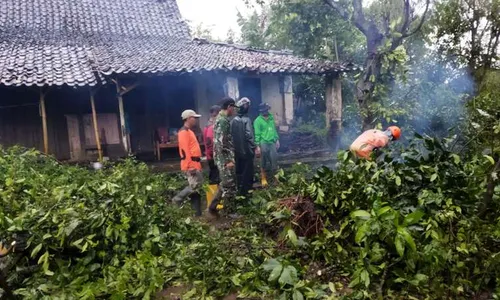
265	130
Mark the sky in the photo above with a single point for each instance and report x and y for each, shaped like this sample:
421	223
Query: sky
217	15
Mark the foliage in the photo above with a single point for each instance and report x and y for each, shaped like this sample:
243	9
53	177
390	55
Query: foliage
84	225
484	117
469	32
111	234
407	223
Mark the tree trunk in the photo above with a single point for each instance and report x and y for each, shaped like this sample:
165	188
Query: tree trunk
366	82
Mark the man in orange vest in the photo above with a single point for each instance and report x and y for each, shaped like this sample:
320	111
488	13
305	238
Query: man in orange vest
190	153
373	139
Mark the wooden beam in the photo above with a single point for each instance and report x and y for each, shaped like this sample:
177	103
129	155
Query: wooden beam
125	136
125	90
44	122
96	126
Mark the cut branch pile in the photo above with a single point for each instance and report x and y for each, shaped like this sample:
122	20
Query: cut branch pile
305	221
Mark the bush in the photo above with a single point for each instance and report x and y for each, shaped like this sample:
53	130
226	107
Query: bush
83	225
411	222
110	234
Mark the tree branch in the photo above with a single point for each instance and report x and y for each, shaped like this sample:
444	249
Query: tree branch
419	26
406	22
358	16
387	27
335	5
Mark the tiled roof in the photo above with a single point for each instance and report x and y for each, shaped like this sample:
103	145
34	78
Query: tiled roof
76	42
170	55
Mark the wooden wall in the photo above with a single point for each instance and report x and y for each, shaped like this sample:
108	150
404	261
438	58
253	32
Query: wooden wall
20	122
157	102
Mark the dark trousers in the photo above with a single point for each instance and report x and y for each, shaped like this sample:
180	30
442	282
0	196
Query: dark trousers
213	175
244	174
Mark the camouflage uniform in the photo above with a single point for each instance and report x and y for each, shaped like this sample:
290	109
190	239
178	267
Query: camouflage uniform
224	154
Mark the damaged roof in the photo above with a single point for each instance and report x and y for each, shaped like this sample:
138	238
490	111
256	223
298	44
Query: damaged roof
78	43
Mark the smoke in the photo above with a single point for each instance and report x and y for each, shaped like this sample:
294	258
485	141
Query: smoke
433	99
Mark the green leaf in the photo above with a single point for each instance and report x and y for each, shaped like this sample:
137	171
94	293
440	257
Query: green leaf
360	233
491	160
297	295
400	246
332	288
288	276
434	177
398	181
362	214
236	280
71	227
365	277
271	264
36	250
483	113
414	217
275	273
407	237
383	210
292	237
190	294
397	34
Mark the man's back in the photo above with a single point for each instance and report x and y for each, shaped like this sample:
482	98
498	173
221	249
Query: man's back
243	137
223	143
369	140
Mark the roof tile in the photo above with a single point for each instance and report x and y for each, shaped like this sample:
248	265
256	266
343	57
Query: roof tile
57	42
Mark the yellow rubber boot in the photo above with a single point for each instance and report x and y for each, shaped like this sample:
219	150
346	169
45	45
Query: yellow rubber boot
263	179
212	189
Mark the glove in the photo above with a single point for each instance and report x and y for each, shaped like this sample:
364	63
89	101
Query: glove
21	241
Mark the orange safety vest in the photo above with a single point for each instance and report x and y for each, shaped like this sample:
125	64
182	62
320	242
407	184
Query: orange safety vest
363	146
189	150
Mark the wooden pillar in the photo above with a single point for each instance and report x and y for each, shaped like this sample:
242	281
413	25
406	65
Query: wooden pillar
333	109
43	113
202	103
121	109
288	100
96	126
120	92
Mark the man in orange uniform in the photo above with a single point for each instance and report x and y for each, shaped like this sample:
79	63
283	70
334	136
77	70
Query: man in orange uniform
373	139
190	152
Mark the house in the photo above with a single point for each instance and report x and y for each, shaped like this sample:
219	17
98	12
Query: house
83	77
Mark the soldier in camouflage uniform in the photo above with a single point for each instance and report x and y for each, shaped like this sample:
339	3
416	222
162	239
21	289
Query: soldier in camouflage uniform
224	158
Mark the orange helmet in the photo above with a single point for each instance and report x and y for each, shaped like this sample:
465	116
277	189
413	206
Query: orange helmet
395	131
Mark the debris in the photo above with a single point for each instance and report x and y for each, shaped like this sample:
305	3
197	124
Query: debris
305	221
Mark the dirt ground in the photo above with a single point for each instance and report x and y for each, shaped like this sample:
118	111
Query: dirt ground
317	157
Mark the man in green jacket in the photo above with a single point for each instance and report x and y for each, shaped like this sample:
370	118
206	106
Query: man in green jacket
267	141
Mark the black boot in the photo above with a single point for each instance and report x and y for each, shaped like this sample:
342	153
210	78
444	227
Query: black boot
196	203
